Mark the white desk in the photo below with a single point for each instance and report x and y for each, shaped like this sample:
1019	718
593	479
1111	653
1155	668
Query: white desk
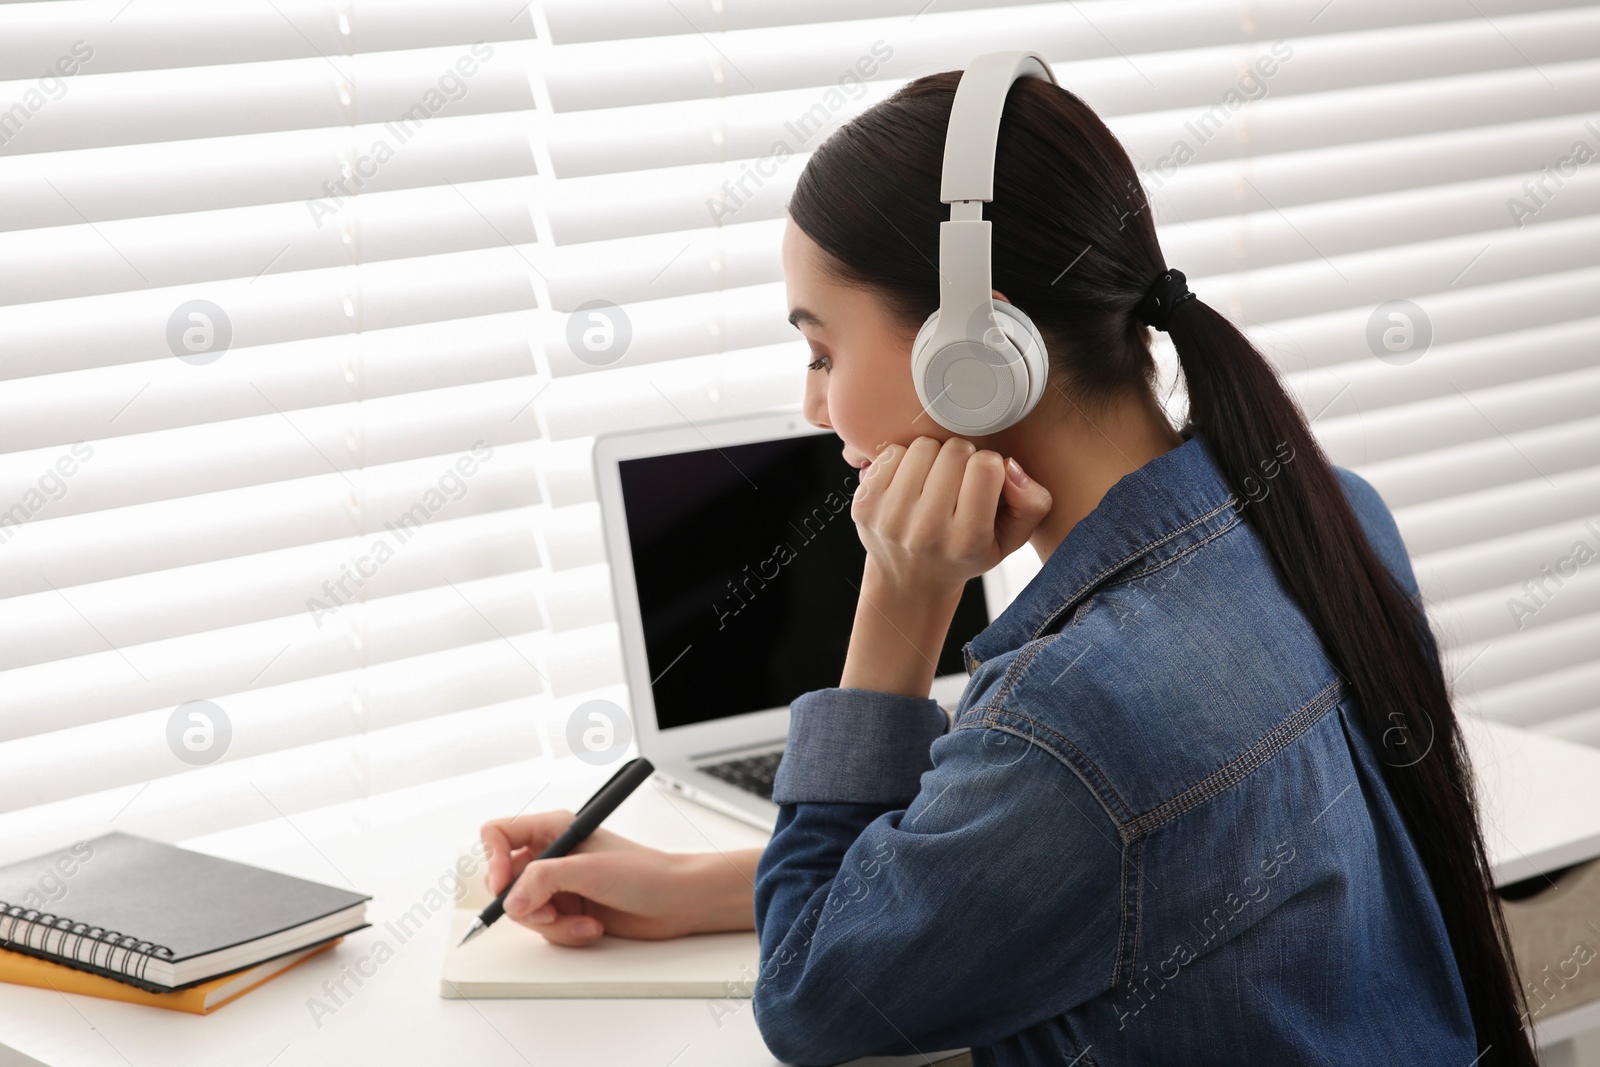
1540	796
1545	798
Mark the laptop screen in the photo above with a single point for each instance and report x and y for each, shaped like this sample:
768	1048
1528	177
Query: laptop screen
747	564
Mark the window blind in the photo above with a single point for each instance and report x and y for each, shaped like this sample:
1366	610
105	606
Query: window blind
267	453
201	519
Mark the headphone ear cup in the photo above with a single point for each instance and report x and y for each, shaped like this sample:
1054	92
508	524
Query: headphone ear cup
921	359
919	354
1029	343
1020	334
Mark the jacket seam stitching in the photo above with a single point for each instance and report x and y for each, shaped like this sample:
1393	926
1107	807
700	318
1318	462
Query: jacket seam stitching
1176	556
1017	668
1122	912
1136	847
1125	560
1084	605
1060	757
1089	773
1235	771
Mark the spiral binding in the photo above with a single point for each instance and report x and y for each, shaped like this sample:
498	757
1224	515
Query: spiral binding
15	917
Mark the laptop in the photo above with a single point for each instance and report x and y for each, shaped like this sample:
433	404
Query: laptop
735	570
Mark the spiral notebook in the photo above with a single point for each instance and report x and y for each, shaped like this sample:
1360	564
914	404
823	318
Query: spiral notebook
163	918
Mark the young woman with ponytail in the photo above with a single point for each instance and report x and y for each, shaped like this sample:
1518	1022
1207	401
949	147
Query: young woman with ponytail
1204	800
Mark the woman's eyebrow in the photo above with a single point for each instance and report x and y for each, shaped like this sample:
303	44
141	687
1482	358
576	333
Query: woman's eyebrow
799	315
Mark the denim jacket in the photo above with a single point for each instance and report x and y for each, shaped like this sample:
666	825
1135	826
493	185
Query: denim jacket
1152	831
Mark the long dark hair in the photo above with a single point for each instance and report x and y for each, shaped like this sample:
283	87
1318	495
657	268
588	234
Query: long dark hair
1075	247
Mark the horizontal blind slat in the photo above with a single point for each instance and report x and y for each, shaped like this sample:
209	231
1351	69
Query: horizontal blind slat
97	546
1544	700
1463	418
119	614
1435	525
406	90
48	767
113	328
1499	458
276	652
184	33
1488	615
1516	658
1203	190
54	410
172	250
236	793
210	457
327	166
1174	25
1492	359
1501	561
1458	313
1582	727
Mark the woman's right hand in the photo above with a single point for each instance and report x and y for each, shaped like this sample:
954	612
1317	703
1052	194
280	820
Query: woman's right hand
627	889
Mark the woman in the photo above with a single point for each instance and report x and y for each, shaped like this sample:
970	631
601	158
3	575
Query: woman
1204	799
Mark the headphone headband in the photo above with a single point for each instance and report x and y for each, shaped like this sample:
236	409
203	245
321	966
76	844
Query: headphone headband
974	130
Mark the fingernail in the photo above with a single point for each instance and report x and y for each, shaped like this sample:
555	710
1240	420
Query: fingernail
515	903
586	928
543	915
1014	469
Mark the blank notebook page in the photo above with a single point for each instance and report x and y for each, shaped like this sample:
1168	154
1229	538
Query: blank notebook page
509	960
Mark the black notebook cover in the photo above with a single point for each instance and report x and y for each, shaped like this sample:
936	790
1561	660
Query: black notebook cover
189	902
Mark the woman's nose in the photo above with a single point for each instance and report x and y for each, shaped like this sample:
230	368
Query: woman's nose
815	407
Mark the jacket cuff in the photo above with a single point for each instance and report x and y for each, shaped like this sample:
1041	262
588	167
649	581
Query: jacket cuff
857	746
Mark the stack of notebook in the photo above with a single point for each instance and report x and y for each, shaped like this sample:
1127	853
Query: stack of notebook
132	919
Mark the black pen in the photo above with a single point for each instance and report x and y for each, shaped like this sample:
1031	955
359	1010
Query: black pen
628	778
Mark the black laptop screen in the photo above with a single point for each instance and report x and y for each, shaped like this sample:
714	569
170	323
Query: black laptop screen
747	564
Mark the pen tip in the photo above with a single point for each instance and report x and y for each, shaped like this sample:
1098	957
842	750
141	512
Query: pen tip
477	928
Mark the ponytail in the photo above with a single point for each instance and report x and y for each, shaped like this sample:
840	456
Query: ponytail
1377	639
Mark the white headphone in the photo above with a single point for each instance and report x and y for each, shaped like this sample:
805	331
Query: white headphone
978	363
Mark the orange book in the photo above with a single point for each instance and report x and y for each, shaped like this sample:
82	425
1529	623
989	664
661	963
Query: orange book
200	999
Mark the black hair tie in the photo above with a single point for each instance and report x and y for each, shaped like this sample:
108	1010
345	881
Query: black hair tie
1168	291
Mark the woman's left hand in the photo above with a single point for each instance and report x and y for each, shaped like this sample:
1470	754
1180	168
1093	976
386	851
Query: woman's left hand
932	516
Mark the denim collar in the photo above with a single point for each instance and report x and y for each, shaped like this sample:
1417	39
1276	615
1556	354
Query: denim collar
1153	513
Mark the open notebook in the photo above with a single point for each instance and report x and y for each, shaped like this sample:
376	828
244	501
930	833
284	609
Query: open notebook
509	960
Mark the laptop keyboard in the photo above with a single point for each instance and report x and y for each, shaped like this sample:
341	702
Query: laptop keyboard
753	774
